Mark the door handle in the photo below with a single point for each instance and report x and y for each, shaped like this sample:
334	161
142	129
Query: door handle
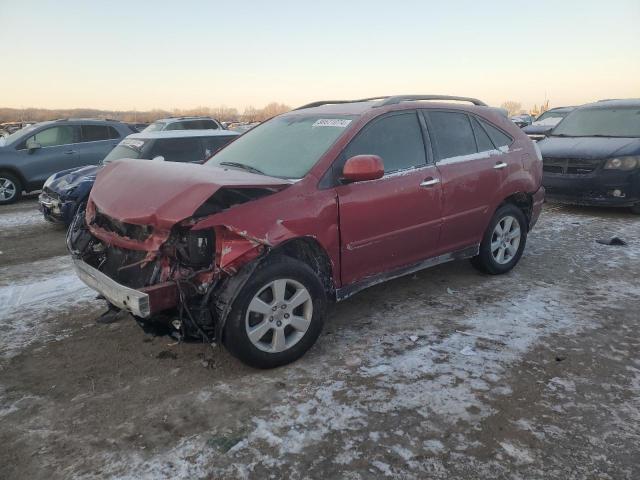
429	182
500	165
70	152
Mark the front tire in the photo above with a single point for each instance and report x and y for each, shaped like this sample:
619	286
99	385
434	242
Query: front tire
503	241
10	189
278	315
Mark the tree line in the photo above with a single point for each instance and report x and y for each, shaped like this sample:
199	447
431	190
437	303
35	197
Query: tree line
222	113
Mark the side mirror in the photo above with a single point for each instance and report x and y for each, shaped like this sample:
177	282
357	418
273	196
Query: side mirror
547	131
159	158
32	146
363	167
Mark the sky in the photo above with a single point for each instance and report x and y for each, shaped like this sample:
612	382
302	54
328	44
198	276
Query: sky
184	54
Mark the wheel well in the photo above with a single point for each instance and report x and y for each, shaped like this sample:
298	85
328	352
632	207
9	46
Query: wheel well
16	174
309	251
523	201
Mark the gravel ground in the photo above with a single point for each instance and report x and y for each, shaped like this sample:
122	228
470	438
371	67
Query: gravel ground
444	374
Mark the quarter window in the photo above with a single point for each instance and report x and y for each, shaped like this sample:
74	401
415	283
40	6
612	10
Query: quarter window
452	134
397	139
61	135
499	139
178	149
484	142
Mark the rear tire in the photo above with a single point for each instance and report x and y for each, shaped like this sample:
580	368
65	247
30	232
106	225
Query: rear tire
10	188
278	315
503	241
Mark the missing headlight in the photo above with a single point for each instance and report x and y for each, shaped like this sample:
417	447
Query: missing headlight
196	248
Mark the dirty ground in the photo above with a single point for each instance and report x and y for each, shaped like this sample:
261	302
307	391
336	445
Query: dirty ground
444	374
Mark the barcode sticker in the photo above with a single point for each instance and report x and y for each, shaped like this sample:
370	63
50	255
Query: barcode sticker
332	122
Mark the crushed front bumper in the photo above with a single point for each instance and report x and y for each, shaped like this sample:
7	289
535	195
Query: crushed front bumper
599	188
125	298
56	210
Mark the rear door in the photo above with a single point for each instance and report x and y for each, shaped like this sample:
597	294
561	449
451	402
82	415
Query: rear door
470	169
393	221
56	152
96	141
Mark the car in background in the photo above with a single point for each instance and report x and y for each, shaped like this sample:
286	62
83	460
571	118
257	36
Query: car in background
32	154
592	157
64	192
312	205
522	120
546	122
184	123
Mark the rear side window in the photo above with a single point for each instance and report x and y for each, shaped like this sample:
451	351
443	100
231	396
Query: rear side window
178	149
484	142
96	133
452	134
397	139
213	144
499	138
193	125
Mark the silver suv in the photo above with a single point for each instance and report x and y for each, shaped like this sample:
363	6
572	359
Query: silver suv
184	123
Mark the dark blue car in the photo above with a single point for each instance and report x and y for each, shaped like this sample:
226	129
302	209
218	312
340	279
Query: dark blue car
64	192
592	157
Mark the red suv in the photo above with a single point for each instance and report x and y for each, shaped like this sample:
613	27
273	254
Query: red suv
310	206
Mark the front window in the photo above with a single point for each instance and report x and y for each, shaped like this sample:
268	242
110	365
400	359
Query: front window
128	148
601	122
51	137
285	147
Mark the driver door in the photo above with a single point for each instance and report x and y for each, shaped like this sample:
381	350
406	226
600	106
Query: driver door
393	221
56	152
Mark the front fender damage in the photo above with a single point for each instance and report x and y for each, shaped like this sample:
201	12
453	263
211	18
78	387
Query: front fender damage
191	275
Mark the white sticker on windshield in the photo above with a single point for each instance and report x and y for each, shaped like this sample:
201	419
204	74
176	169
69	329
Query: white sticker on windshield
332	122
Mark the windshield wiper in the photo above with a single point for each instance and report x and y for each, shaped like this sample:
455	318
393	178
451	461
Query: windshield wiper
242	166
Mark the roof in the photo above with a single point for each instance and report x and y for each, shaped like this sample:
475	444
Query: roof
622	102
184	134
358	107
178	119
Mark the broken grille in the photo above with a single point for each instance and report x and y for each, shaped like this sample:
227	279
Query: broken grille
129	230
570	166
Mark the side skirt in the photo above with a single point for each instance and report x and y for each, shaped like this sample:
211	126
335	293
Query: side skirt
345	292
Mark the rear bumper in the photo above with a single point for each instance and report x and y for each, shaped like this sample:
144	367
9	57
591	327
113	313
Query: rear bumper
610	188
538	201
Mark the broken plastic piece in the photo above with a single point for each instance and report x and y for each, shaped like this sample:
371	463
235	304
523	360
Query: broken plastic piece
612	241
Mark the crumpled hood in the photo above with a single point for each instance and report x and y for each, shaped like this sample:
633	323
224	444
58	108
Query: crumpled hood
165	193
588	147
67	179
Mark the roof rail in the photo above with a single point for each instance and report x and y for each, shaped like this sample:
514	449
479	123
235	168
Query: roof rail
337	102
409	98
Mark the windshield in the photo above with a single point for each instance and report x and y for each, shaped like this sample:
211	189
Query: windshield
285	147
127	148
155	127
604	122
18	134
552	114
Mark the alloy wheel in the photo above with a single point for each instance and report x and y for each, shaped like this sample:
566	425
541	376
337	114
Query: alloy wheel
279	315
8	189
505	239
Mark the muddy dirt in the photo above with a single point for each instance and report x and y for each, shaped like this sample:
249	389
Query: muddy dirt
444	374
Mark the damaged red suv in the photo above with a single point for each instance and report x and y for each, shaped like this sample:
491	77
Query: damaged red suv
309	207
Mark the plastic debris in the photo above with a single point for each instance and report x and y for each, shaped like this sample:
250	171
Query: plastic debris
413	338
468	351
612	241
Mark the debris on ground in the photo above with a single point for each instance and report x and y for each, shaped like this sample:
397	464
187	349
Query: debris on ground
413	338
468	351
164	354
612	241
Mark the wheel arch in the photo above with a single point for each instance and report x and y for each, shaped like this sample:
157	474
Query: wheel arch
523	201
16	173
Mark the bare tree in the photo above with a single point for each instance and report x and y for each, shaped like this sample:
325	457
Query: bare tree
513	107
273	109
